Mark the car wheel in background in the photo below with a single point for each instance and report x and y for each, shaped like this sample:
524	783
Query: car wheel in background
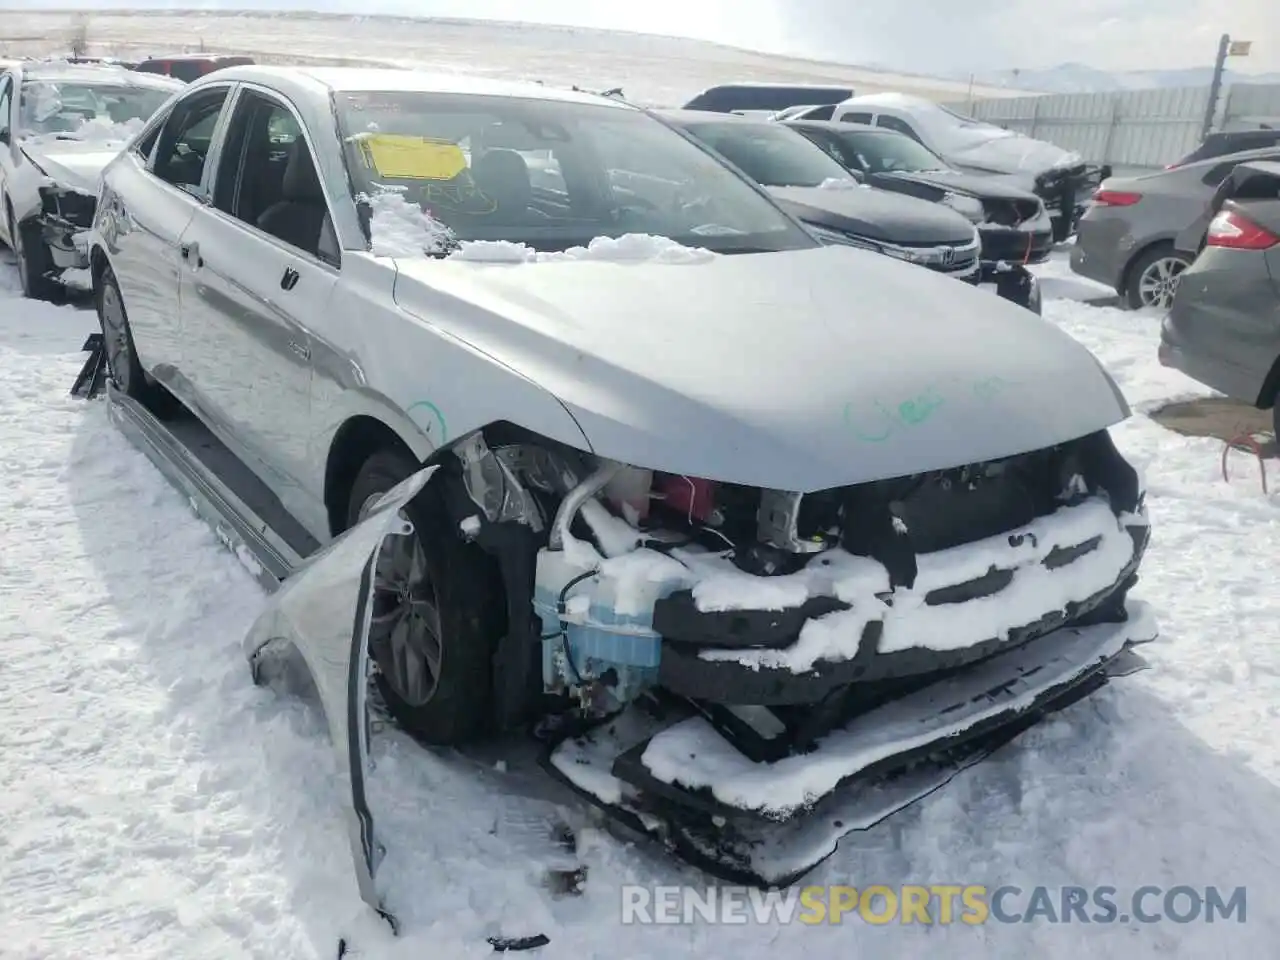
1152	278
437	613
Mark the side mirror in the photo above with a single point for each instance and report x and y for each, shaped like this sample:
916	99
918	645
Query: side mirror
1105	171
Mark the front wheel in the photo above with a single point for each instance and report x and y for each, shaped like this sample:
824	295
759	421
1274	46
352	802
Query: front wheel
1153	278
34	260
437	613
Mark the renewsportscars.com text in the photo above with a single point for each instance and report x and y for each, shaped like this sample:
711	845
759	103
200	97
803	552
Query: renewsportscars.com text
970	904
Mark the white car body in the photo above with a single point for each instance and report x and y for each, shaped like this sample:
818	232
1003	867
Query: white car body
61	162
967	143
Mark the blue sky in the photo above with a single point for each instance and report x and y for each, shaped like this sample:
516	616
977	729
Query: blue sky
930	36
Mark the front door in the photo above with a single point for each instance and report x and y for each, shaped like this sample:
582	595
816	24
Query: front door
259	267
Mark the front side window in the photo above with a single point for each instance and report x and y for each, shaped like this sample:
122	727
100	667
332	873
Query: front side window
267	177
888	152
184	142
86	110
550	174
772	155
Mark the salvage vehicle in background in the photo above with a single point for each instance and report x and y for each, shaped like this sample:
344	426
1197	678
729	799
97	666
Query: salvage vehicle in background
815	188
188	67
1228	142
1012	223
59	125
1059	177
1224	326
638	462
1129	238
765	98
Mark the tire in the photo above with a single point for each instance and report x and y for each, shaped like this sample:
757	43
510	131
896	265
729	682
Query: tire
457	582
34	260
123	366
1161	265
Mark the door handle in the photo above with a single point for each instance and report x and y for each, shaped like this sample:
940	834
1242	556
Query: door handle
301	349
290	279
191	253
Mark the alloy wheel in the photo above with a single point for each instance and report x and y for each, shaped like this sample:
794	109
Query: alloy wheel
115	337
405	630
1159	282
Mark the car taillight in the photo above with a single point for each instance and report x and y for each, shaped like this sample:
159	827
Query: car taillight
1237	232
1116	198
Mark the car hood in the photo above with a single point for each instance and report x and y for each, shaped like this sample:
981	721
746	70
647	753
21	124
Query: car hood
875	214
72	163
932	184
800	370
1004	152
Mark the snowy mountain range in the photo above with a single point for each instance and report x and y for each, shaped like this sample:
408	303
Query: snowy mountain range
1081	78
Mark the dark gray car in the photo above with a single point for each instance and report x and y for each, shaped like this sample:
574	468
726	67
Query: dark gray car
1224	328
1128	238
813	187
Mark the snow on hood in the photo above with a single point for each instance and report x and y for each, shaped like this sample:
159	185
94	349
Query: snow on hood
798	370
1004	151
399	228
77	158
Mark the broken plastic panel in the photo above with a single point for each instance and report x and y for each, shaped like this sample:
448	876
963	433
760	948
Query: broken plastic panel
322	613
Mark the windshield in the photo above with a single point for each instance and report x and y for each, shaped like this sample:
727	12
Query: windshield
888	152
550	174
68	106
774	156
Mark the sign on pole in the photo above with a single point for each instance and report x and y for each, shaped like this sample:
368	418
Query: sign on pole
1239	48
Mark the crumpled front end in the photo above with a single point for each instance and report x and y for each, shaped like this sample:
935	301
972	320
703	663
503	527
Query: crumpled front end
65	217
786	649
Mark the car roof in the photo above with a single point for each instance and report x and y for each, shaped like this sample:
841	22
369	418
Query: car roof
838	125
199	57
55	70
904	100
712	116
1241	156
327	80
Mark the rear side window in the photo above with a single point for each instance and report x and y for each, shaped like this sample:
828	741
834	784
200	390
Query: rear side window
851	117
184	141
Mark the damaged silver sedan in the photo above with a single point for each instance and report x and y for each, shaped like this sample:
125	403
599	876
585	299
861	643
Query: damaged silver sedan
548	419
60	124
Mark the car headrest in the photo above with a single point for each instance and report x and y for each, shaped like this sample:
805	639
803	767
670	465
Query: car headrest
301	182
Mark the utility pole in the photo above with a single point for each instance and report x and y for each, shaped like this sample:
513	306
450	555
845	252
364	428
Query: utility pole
1226	48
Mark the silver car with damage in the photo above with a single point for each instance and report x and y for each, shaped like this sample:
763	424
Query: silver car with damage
60	123
566	422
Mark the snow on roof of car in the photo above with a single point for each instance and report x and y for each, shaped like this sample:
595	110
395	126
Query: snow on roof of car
56	70
377	79
905	100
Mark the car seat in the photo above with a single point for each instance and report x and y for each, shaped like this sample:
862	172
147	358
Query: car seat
298	216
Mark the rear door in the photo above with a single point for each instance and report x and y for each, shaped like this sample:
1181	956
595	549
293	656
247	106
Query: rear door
259	267
151	193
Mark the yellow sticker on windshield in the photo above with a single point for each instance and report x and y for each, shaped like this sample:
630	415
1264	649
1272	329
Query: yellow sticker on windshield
400	157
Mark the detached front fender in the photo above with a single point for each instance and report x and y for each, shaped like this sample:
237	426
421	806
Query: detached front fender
322	613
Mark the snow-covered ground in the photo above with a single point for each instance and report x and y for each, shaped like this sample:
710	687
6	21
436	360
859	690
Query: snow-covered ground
155	804
666	71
